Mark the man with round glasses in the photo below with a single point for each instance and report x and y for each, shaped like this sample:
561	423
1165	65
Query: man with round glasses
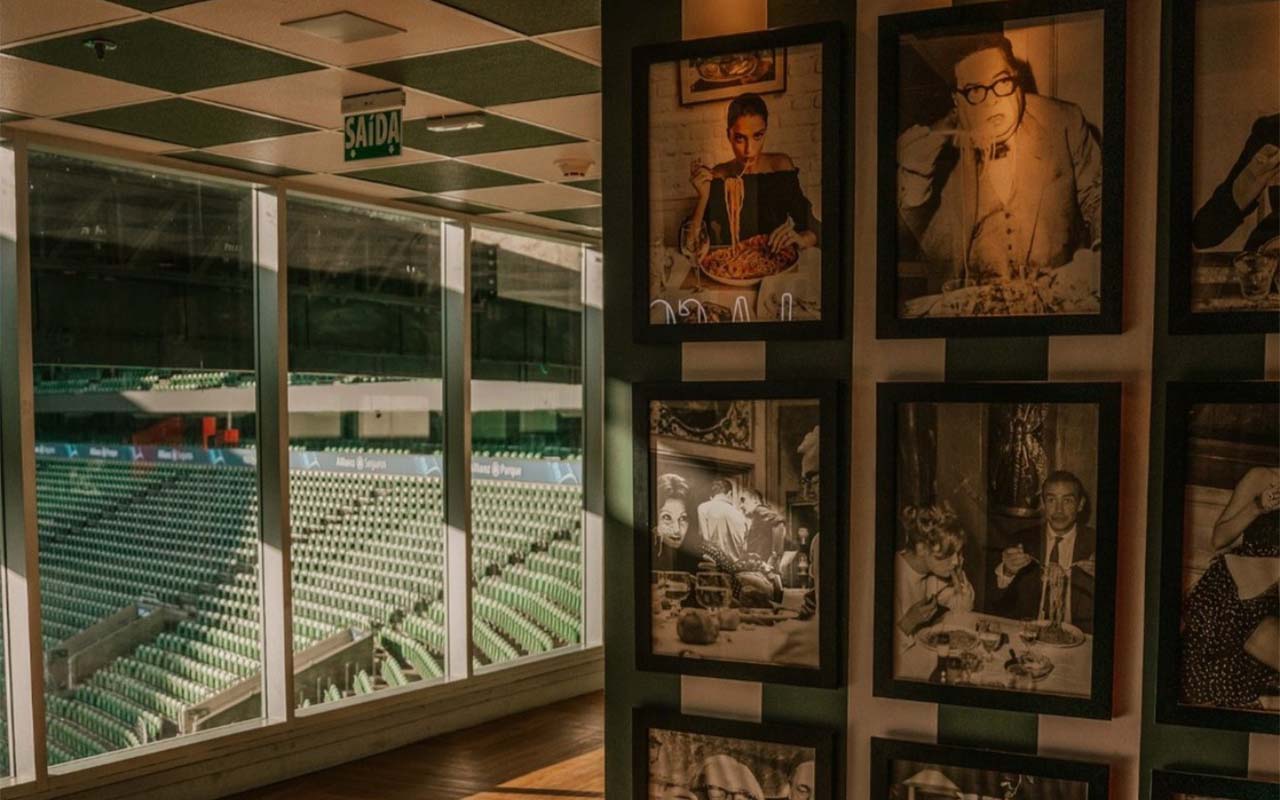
725	778
1008	183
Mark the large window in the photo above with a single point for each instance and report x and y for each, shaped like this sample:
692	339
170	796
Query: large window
366	434
146	487
527	440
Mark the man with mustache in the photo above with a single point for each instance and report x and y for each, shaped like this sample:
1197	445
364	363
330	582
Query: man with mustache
1015	589
1006	185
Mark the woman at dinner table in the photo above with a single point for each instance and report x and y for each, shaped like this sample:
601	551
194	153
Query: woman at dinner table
929	576
1231	619
675	547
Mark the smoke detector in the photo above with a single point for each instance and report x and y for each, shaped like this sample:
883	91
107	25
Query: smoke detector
574	167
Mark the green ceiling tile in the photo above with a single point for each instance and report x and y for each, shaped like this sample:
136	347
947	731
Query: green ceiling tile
513	72
498	133
7	116
155	5
244	165
438	176
186	122
452	204
579	216
163	56
591	185
533	18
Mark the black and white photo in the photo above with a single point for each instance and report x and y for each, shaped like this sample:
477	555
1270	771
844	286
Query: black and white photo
696	758
997	543
909	771
1225	172
736	191
1002	153
1221	650
1170	785
736	531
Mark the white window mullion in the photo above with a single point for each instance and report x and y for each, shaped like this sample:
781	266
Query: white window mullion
24	661
593	447
456	254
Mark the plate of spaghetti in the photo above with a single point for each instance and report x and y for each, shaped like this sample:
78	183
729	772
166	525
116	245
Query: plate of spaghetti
744	262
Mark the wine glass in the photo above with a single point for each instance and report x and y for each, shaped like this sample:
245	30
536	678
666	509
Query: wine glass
712	590
674	587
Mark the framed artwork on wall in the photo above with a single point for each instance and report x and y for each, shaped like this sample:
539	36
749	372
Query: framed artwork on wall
737	548
1224	165
1001	170
679	756
737	155
996	544
1170	785
1219	664
902	770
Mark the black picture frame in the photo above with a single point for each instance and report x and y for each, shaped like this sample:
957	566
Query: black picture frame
1098	705
1167	784
832	516
1179	398
889	325
834	144
1178	119
886	751
821	740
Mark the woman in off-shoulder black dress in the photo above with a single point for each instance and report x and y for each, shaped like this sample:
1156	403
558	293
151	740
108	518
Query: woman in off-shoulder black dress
1217	667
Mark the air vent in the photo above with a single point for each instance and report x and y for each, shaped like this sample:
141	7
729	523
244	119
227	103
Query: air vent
343	27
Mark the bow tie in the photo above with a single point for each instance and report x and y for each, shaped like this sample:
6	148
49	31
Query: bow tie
998	151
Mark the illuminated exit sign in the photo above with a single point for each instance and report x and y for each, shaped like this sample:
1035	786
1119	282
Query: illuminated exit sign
372	135
371	125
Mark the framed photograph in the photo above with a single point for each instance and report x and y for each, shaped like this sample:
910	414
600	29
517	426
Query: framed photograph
996	544
1223	124
678	757
737	548
903	770
1169	785
737	158
1001	170
724	76
1219	664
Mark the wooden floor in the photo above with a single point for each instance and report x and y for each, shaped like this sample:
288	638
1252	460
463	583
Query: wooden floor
551	753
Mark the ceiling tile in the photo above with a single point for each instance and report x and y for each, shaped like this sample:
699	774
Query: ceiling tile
585	42
316	97
156	5
578	115
186	122
427	27
439	176
529	197
54	127
244	165
533	18
26	20
590	185
6	116
512	72
498	133
163	56
539	162
545	222
449	203
349	185
316	151
42	90
589	217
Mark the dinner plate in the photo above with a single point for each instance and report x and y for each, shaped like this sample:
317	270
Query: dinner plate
1023	669
1074	637
767	616
955	638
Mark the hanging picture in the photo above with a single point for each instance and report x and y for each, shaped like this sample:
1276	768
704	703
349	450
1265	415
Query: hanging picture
1168	785
1224	166
996	544
903	770
1001	169
737	183
680	757
1220	603
736	543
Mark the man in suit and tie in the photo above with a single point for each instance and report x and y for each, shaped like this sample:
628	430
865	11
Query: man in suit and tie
1007	184
1015	588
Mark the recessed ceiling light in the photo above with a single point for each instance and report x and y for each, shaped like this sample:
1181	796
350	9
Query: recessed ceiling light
344	27
455	123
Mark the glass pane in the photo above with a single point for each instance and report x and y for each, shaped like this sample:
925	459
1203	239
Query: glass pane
146	482
526	434
366	437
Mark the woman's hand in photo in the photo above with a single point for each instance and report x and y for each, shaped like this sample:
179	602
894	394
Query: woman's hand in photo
958	595
784	236
1261	171
918	616
1269	500
700	176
